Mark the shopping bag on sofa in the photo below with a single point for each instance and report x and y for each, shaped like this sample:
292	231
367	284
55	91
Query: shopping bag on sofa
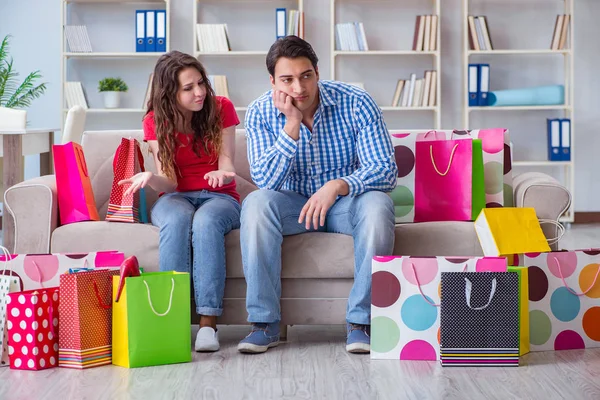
511	230
405	298
127	162
8	284
73	186
36	271
151	320
564	299
33	329
523	308
479	319
449	181
85	316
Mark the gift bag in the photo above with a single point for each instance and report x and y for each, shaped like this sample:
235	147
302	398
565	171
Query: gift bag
479	319
33	329
496	164
8	284
151	320
523	308
564	299
511	230
85	316
449	182
73	186
127	162
35	271
405	298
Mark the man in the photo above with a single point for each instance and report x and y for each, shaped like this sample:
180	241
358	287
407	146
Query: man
322	157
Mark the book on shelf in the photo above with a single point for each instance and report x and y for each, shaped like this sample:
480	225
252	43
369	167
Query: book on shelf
425	36
350	36
74	95
219	85
479	34
212	38
77	39
148	92
295	24
561	31
416	92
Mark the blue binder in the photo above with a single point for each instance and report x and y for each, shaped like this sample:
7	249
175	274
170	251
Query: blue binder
150	30
554	139
161	30
280	25
473	85
565	139
140	31
484	84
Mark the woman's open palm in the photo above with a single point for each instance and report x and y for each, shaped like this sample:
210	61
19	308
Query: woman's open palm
219	178
139	180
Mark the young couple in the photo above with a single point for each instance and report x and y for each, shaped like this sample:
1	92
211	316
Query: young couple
318	150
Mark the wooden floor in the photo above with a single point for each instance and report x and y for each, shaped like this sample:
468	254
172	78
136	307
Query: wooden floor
314	364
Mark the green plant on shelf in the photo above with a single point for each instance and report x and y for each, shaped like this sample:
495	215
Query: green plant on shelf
112	85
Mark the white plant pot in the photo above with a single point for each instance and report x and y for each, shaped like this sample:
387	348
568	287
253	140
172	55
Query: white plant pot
111	99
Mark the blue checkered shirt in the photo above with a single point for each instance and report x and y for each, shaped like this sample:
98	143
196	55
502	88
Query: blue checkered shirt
349	141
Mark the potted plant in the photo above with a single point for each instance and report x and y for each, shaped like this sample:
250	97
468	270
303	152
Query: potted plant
13	95
112	88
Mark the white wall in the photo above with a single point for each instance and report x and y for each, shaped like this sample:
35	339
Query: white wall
35	26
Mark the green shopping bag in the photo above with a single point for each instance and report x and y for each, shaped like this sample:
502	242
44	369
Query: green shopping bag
151	321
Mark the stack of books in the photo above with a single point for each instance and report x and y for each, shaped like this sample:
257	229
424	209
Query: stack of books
479	35
561	30
425	37
219	85
351	36
212	38
415	92
74	95
78	39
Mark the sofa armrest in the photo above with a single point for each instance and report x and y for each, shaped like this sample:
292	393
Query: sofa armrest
546	195
34	208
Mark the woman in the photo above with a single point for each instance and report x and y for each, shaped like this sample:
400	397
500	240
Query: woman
191	134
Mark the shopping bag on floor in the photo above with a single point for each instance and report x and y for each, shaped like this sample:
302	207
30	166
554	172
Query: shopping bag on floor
479	319
151	320
73	186
8	284
523	308
511	230
564	299
33	329
449	181
405	298
127	162
85	316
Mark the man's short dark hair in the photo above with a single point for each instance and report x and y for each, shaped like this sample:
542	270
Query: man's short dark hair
290	47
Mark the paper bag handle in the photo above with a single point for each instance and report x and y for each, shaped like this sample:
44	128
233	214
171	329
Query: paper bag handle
139	154
80	156
170	299
560	227
468	287
106	307
39	271
6	259
562	278
451	134
449	162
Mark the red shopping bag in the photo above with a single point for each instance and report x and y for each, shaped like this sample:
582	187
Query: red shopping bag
128	161
73	186
449	181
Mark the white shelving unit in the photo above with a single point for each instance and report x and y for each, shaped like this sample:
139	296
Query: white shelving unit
434	55
567	167
121	56
219	63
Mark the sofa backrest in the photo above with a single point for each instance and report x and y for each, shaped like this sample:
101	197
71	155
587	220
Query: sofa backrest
99	148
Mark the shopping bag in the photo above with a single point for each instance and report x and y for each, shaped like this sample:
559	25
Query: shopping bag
85	316
35	271
151	320
73	186
8	284
405	298
127	162
479	319
449	181
511	230
523	308
564	299
33	329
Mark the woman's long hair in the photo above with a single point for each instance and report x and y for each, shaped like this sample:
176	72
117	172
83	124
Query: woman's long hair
206	123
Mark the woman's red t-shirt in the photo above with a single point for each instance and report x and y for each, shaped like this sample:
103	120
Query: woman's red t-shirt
191	169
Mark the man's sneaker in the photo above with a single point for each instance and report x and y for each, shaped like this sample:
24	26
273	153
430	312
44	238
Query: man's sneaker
207	339
358	339
260	338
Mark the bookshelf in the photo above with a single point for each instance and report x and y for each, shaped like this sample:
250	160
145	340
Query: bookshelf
507	58
350	66
109	57
241	17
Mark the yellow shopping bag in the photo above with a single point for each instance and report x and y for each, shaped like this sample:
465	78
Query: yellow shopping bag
510	230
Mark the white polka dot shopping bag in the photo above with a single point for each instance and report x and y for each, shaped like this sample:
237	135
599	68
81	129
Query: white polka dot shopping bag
405	300
8	284
128	161
85	317
33	329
